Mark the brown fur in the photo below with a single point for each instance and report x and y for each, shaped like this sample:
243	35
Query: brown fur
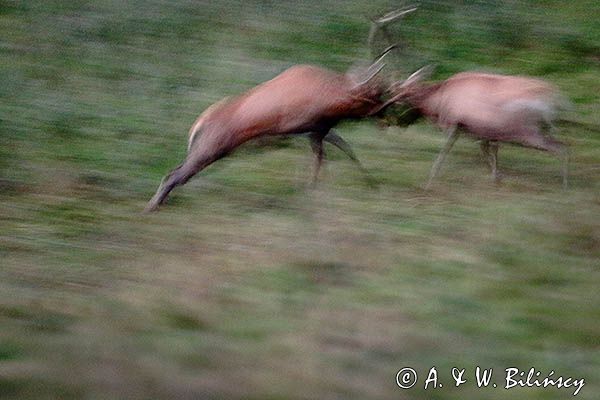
301	99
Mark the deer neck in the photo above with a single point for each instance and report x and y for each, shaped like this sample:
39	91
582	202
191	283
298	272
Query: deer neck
426	99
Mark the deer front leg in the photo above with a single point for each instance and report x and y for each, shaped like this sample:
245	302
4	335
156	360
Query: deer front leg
341	144
494	159
452	136
491	156
316	143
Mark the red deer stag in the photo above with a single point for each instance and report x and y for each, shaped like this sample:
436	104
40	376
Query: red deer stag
302	99
492	108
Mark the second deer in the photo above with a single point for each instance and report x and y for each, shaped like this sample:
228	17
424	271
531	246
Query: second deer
489	107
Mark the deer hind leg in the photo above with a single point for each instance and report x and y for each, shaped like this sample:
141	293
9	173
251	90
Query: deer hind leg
537	140
341	144
562	151
194	163
452	136
167	184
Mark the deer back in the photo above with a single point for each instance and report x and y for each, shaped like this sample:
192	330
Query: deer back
301	99
490	102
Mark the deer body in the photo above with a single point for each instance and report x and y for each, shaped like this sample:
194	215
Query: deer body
301	99
491	108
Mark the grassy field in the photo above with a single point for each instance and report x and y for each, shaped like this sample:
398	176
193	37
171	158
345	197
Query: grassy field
248	284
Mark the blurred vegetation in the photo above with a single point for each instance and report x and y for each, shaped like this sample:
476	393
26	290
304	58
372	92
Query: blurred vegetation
248	284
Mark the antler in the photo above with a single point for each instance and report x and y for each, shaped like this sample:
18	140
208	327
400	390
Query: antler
376	67
416	76
380	23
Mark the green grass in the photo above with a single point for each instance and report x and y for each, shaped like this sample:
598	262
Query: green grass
248	284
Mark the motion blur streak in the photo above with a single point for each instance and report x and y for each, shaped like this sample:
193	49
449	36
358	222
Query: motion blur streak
248	285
